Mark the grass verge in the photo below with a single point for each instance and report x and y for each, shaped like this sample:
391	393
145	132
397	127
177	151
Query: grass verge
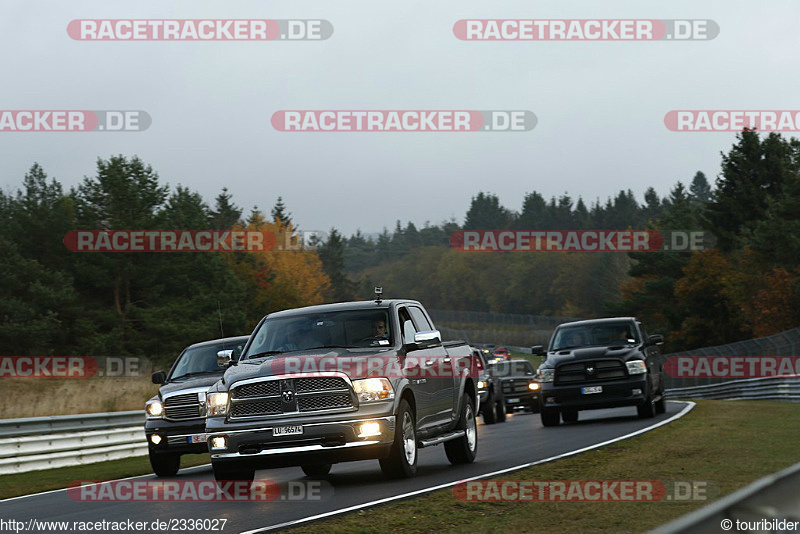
729	444
50	479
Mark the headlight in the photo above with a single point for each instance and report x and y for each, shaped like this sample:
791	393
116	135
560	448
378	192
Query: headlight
545	375
636	367
481	384
373	389
533	386
154	409
217	404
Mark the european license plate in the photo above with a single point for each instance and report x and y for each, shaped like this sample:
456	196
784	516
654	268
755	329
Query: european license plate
198	438
287	430
512	401
588	390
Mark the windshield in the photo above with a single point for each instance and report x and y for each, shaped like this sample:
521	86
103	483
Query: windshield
514	368
203	359
600	335
349	329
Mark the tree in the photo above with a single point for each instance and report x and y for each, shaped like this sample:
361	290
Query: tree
331	254
486	213
700	190
280	215
225	213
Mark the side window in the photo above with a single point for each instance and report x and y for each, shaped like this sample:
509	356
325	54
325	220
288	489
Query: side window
406	325
642	330
419	319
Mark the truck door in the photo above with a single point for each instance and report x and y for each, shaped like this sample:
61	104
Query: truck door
441	379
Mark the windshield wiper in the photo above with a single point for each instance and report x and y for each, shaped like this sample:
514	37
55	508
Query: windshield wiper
196	373
567	347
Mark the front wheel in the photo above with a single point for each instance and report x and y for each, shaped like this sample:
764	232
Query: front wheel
464	449
224	473
647	409
500	409
488	409
402	459
550	417
165	464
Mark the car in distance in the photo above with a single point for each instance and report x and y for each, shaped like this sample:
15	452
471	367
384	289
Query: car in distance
320	385
600	363
490	390
501	353
175	417
520	388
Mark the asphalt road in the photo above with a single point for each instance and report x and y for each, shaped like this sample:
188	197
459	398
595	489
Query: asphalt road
520	440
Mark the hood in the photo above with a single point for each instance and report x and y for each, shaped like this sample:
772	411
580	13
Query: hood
624	353
355	363
189	383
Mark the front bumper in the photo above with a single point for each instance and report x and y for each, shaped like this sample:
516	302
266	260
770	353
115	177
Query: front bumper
614	394
176	436
324	440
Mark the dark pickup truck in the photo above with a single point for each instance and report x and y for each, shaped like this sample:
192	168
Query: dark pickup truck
175	418
520	388
340	382
600	363
490	390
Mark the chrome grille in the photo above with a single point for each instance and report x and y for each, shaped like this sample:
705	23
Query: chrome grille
183	406
302	385
259	407
312	394
311	403
257	389
590	371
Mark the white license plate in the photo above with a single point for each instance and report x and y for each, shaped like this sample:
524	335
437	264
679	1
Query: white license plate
198	438
287	430
588	390
512	401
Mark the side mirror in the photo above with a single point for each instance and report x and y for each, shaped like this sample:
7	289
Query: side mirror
224	358
537	350
159	377
427	338
655	339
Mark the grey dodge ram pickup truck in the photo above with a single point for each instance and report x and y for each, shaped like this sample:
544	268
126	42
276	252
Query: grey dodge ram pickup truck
340	382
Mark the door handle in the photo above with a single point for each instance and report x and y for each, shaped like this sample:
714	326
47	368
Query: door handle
447	360
428	363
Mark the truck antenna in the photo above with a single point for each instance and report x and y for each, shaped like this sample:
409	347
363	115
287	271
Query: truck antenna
378	294
219	311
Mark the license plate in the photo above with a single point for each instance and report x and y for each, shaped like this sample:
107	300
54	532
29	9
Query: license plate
592	389
198	438
287	430
512	401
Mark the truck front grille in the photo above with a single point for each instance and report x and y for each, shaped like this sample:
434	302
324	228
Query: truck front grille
183	406
515	386
279	396
589	371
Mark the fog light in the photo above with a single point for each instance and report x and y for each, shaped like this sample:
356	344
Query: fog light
636	392
371	428
219	442
156	439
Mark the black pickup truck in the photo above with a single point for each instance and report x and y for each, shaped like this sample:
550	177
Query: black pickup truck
490	390
340	382
175	417
600	363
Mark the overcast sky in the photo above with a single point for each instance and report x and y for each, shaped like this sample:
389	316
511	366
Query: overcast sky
600	105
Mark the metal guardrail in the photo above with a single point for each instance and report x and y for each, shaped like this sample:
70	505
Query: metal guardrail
768	388
35	443
772	498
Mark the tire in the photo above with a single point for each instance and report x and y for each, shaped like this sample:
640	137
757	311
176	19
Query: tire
661	404
402	459
534	405
500	409
223	472
550	417
570	416
488	411
316	470
464	449
647	409
166	464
